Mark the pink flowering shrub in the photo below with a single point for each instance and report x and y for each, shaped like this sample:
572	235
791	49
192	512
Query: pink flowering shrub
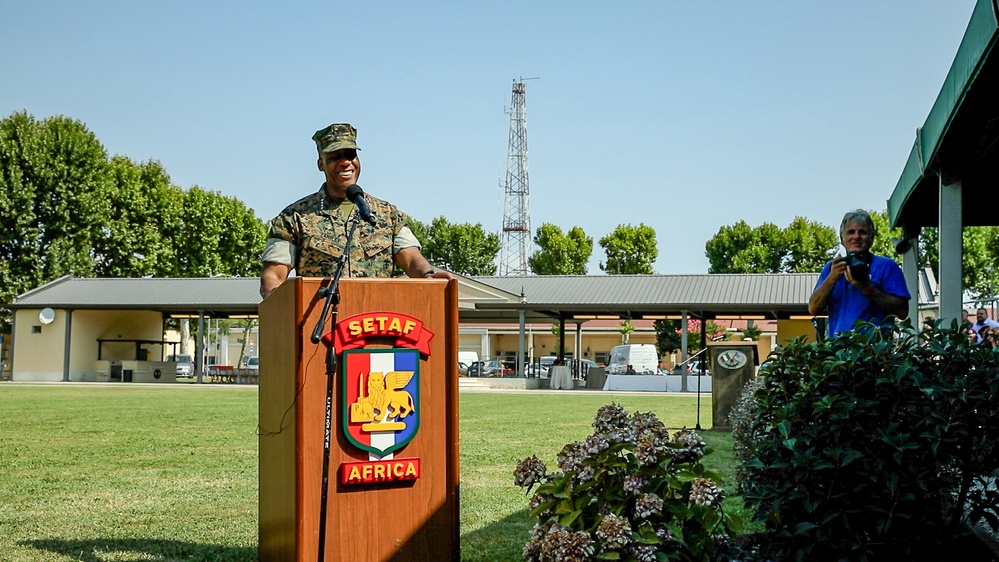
630	491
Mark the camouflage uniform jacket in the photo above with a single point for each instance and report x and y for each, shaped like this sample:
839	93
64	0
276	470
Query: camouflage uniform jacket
317	227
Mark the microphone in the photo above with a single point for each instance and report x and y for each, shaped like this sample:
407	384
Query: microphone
356	196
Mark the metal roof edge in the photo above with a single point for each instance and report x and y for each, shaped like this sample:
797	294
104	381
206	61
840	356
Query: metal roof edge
979	40
46	286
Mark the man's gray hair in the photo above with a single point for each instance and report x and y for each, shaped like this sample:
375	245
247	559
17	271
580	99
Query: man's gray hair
858	215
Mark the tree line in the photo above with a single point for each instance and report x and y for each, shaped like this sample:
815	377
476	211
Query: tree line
67	207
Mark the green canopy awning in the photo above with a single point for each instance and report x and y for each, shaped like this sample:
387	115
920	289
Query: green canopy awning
960	138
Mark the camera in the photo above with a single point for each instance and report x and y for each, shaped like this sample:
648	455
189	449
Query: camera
860	265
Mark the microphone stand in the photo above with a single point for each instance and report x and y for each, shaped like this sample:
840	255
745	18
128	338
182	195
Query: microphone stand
332	295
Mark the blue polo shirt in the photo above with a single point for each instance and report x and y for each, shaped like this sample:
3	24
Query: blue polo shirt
847	304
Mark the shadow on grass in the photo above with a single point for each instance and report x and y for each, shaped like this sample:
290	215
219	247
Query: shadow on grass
148	550
499	541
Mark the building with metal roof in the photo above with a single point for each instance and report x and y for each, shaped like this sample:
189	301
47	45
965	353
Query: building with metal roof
488	300
708	296
136	310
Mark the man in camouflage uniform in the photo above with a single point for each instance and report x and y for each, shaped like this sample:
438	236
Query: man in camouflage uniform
309	235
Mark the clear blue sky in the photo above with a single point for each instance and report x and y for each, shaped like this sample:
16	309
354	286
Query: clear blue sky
684	116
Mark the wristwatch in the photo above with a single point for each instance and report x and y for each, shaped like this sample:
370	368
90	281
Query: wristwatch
429	273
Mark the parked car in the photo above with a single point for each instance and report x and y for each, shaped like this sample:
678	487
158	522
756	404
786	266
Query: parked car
253	363
462	368
584	366
491	368
539	367
185	365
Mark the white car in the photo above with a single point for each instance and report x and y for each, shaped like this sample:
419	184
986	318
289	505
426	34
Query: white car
253	363
185	366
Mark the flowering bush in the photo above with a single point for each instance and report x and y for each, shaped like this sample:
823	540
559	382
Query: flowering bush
878	444
629	491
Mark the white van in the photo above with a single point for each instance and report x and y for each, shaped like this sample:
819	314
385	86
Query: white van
641	356
468	357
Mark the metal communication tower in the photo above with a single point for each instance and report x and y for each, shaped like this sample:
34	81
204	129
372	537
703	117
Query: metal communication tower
516	210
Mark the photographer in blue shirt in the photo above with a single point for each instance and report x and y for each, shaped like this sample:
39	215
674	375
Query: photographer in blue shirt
859	286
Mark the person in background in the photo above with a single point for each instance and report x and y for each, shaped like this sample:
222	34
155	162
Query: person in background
983	321
987	337
630	371
309	235
971	335
870	292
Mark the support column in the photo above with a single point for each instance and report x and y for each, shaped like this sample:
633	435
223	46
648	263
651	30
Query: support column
521	347
199	350
66	345
561	340
683	337
910	269
951	229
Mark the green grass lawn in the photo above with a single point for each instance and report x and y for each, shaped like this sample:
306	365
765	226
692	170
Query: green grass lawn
100	473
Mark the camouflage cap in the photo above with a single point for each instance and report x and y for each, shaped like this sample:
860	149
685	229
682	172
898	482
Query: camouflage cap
335	137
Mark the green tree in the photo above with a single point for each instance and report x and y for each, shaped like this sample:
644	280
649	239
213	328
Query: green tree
630	250
981	261
218	235
54	201
560	253
667	336
752	331
808	246
744	249
145	210
421	230
65	208
462	248
625	328
883	245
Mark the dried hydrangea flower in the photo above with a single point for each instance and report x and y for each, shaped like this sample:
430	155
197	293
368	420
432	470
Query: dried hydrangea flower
532	549
584	474
614	532
550	544
647	423
571	457
529	472
705	492
691	446
574	547
648	451
609	417
634	483
595	444
648	505
643	552
538	499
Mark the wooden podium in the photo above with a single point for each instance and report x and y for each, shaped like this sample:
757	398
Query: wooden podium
402	519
